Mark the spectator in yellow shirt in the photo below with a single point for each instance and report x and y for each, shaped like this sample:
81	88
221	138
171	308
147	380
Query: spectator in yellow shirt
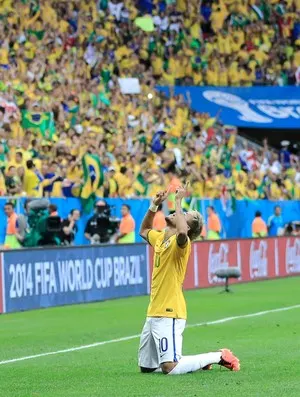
240	187
32	180
252	192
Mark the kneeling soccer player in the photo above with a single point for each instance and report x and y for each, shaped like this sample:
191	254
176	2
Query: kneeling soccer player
161	339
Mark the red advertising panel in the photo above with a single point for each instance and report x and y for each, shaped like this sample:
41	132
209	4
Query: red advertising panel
289	256
257	259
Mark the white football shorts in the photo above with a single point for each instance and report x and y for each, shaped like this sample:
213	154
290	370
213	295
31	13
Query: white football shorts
161	341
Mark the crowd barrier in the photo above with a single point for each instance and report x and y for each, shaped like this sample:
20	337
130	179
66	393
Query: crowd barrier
39	278
244	211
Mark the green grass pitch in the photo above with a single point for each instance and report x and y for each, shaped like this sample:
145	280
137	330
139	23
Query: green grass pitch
268	347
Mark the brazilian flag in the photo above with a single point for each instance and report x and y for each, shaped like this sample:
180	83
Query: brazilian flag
42	121
140	186
93	179
39	34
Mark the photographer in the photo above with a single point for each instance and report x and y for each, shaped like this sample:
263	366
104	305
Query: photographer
101	226
69	228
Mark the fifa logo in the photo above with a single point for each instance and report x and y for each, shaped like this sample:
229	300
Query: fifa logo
236	103
258	261
292	256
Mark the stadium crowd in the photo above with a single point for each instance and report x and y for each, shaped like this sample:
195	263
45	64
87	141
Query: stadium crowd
60	97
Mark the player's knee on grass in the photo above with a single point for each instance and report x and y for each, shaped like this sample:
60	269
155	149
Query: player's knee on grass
147	370
167	367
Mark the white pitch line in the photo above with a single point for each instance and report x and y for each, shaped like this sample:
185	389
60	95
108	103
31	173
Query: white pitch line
106	342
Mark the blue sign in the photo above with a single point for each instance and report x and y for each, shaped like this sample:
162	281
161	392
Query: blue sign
263	107
51	277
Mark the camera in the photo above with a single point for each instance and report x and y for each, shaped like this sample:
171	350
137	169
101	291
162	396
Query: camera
102	226
43	229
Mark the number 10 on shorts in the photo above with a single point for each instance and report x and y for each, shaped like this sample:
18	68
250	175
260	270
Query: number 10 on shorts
163	345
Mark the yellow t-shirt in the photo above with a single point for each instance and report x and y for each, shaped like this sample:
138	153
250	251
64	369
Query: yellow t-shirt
29	50
169	268
224	45
57	190
198	189
157	65
2	185
123	182
155	188
181	5
260	56
74	174
4	56
27	155
31	183
197	78
289	185
297	57
223	78
252	194
217	19
234	76
275	191
168	78
212	188
113	187
212	77
240	190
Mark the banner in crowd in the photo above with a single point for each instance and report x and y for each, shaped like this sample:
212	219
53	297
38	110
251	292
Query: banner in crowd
264	107
52	277
93	178
40	121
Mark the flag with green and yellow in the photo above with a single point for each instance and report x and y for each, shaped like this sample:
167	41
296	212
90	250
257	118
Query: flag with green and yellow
93	180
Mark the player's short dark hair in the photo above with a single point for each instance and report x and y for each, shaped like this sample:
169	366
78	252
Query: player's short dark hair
257	214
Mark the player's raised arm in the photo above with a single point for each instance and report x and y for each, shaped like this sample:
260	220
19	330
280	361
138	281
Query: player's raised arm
147	223
181	223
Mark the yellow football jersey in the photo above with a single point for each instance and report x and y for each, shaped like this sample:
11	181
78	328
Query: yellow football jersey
169	268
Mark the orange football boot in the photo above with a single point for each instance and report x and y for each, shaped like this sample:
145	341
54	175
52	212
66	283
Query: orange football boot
228	360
